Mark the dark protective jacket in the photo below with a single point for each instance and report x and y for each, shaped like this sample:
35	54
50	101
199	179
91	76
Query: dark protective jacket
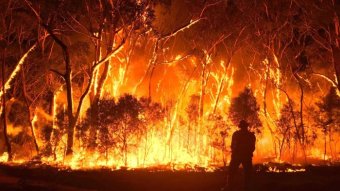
243	144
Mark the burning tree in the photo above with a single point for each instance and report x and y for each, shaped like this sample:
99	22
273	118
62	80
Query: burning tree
104	35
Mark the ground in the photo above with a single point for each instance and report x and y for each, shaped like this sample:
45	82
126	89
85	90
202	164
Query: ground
28	177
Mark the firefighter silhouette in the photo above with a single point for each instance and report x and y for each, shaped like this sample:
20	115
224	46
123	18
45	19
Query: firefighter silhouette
242	148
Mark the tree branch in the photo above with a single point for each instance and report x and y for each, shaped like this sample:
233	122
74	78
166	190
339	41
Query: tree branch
58	73
17	68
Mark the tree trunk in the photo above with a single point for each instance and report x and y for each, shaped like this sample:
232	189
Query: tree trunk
71	121
282	143
331	150
336	63
32	130
303	133
145	147
153	62
68	81
218	94
105	70
94	104
221	85
325	146
203	84
48	147
8	144
336	50
27	104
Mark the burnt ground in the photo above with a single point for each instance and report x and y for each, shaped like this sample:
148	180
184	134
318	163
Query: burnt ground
25	177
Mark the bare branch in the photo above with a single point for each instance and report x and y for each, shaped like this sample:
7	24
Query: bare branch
175	60
58	73
110	54
180	29
332	82
207	6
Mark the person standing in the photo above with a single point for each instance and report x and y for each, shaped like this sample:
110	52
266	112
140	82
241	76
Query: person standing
242	148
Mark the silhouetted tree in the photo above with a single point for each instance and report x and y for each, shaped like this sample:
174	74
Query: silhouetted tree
192	111
285	130
127	123
218	132
245	106
326	117
152	119
106	114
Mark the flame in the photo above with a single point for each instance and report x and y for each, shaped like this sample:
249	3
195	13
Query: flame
4	157
17	69
286	170
176	141
169	144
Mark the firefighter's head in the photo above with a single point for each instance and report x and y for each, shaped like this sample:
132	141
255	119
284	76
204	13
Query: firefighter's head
243	124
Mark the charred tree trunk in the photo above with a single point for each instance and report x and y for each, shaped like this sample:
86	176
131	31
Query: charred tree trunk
68	82
67	77
8	144
302	126
71	119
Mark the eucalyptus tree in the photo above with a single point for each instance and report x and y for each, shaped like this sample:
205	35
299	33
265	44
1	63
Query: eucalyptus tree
106	24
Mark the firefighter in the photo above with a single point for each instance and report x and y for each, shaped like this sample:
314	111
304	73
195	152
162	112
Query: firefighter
242	148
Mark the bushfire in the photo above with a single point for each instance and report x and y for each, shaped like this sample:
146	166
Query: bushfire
163	84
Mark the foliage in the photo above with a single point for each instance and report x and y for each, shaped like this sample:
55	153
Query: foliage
219	130
120	124
245	106
329	110
286	126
